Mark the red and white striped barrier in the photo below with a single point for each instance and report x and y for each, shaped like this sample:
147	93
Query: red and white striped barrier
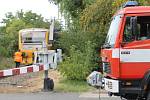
22	70
53	58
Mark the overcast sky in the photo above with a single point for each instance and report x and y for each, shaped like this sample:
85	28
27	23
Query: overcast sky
42	7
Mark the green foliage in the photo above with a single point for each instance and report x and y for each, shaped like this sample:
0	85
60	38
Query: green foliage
3	51
6	62
14	23
7	48
30	19
71	9
75	38
95	20
85	39
88	22
14	26
33	20
58	26
79	64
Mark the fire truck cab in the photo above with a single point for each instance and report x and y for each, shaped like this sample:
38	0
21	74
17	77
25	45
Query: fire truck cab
126	53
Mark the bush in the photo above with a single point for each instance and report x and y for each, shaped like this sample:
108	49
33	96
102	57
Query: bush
6	63
8	45
3	52
79	64
73	37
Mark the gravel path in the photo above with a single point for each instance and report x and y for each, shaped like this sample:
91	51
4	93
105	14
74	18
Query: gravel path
26	83
17	80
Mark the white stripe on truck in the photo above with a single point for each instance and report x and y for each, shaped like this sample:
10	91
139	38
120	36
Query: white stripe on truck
132	55
135	55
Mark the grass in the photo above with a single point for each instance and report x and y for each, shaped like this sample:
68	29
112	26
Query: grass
65	85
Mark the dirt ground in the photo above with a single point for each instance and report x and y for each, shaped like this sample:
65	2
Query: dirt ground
26	83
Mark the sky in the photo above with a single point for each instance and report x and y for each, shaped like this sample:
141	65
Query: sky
42	7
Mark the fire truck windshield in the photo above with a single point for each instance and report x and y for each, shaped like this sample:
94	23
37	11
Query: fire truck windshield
113	30
33	37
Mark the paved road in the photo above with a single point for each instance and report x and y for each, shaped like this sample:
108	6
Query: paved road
54	96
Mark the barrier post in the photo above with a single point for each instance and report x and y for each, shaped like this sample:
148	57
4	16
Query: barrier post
48	83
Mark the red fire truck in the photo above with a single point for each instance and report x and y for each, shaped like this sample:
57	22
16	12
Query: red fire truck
126	53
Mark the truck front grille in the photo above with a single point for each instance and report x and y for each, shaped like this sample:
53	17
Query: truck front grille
106	67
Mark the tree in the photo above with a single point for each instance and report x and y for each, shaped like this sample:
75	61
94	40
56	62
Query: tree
16	22
88	22
12	31
34	20
71	9
29	18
